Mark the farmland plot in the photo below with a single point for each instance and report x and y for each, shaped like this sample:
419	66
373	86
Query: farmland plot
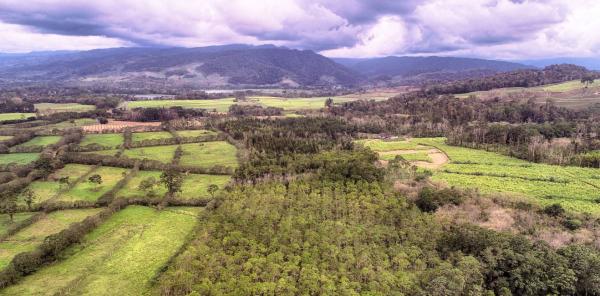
41	141
47	189
88	191
137	137
208	154
18	158
120	257
107	140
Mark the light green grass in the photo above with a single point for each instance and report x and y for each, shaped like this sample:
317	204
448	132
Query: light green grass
195	186
379	145
71	123
137	137
120	257
5	222
33	235
194	133
130	190
221	105
4	138
289	104
18	158
419	156
577	189
41	141
15	116
47	189
66	107
163	154
209	154
91	192
107	140
567	86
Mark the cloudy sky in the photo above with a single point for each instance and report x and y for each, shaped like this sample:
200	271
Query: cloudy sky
507	29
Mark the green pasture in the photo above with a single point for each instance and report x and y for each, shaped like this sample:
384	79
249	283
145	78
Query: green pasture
41	141
194	133
208	154
138	137
130	190
195	185
107	140
63	107
120	257
18	158
15	116
49	188
88	191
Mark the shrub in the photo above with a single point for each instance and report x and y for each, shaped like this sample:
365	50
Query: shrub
554	210
429	199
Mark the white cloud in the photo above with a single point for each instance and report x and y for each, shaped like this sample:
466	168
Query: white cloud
15	39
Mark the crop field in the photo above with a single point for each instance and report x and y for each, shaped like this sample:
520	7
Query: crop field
209	154
195	186
378	145
137	137
66	107
33	235
117	126
47	189
130	190
15	116
41	141
18	158
88	191
120	257
108	140
194	133
577	189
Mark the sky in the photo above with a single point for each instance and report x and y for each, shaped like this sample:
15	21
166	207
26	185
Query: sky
501	29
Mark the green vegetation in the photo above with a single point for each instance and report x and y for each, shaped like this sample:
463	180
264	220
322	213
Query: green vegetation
18	158
132	188
567	86
137	137
194	133
4	138
418	156
118	258
71	123
196	186
575	188
163	154
31	236
89	191
41	141
66	107
47	189
209	154
107	140
221	105
5	222
15	116
379	145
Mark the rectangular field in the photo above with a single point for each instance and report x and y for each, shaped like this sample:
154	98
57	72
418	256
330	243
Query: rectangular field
63	107
163	154
18	158
33	235
5	222
41	141
15	116
120	257
107	140
4	138
88	191
194	133
195	186
130	190
208	154
47	189
221	105
137	137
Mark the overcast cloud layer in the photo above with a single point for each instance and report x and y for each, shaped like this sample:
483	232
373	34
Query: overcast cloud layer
341	28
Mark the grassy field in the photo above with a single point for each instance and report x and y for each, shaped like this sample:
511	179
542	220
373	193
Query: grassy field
194	133
18	158
47	189
66	107
378	145
4	138
567	86
5	222
208	154
90	192
137	137
15	116
418	156
41	141
163	154
221	105
195	186
108	140
33	235
71	123
577	189
118	258
130	190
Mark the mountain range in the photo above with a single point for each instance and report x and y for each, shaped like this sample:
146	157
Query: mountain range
235	65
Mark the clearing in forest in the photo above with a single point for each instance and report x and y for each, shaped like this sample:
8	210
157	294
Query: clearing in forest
120	257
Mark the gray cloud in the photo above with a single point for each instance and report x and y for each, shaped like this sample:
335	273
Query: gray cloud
344	28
